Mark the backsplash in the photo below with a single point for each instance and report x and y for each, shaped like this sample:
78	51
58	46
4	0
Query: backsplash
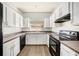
66	26
69	26
9	30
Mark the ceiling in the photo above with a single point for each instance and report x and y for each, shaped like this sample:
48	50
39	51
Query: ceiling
35	6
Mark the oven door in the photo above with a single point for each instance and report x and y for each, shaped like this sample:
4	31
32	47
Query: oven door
54	46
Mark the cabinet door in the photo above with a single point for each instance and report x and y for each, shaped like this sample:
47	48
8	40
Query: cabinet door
17	20
9	48
9	16
6	49
29	39
26	22
57	13
38	39
17	46
47	38
65	51
52	21
20	21
14	18
46	22
75	13
65	8
5	23
12	50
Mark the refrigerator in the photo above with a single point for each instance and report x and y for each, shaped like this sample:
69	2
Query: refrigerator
1	33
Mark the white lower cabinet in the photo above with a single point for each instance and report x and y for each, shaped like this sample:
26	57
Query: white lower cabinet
11	48
65	51
17	45
8	48
37	38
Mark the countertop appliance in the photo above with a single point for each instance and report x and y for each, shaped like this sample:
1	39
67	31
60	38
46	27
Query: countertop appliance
67	35
54	46
1	34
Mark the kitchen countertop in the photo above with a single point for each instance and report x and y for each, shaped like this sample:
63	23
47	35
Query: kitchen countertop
55	35
10	37
74	45
39	32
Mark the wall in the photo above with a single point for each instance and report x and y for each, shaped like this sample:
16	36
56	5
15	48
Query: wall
69	26
9	30
36	16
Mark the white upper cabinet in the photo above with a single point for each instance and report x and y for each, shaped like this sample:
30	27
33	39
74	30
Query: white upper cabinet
65	7
14	18
75	13
61	11
21	21
5	23
57	11
46	22
52	18
26	22
8	16
11	17
17	20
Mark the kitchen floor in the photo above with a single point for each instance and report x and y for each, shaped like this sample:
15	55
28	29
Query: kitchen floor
35	51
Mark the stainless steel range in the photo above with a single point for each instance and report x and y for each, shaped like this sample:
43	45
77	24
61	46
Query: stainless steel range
67	35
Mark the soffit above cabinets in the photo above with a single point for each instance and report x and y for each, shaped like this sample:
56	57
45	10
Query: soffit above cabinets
35	6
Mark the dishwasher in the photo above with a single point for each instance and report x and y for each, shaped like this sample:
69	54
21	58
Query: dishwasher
22	41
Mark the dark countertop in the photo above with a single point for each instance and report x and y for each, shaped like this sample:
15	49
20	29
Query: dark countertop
39	31
73	45
55	35
10	37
